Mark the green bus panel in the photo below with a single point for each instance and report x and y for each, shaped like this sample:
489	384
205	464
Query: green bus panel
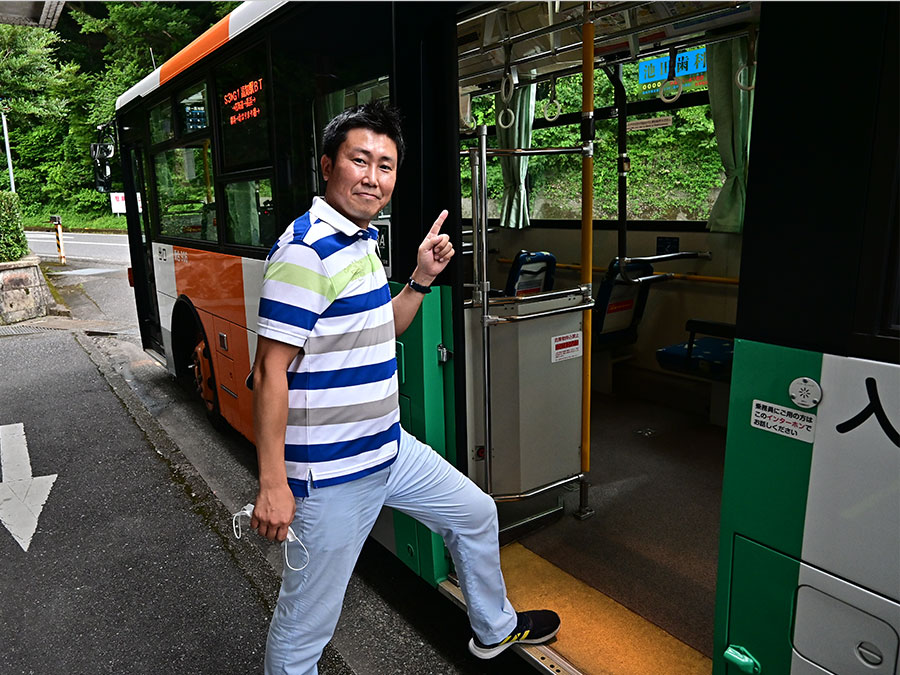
766	479
422	413
763	588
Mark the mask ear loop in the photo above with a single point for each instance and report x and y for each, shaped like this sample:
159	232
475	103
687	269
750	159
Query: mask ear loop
291	537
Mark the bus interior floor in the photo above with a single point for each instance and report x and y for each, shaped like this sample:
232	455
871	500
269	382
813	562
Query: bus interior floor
652	544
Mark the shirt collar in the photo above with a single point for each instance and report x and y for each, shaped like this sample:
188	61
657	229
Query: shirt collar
322	210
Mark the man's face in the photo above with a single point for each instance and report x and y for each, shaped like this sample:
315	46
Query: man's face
361	178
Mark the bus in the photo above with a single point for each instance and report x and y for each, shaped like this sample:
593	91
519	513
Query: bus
669	349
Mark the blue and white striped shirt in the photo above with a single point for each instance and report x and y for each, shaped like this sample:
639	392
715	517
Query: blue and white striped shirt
326	292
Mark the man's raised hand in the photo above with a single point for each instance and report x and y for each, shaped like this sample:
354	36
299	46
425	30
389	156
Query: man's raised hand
435	251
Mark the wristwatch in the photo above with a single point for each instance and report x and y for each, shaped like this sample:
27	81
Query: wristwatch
417	287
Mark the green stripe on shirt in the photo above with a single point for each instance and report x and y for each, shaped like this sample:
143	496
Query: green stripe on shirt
302	277
355	270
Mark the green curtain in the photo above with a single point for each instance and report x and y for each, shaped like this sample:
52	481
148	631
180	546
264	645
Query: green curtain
514	210
731	113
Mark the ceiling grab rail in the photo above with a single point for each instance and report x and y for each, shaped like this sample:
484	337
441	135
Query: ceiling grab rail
673	56
751	61
507	90
552	115
622	259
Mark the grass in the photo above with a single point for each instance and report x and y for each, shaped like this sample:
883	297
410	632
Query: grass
75	222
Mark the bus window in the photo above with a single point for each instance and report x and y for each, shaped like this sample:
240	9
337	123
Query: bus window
242	88
250	213
184	185
161	122
193	111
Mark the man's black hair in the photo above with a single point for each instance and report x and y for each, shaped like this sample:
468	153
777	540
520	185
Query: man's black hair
380	118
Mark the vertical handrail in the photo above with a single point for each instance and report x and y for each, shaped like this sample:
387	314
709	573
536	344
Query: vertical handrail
587	224
484	289
475	167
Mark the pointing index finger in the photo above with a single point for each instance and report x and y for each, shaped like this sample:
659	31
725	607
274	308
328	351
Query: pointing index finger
436	228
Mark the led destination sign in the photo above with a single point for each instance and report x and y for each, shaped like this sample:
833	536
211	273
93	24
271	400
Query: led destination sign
241	98
243	102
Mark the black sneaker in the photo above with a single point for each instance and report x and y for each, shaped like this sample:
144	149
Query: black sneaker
533	628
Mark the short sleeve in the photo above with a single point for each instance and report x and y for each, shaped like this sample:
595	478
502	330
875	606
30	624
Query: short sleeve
296	290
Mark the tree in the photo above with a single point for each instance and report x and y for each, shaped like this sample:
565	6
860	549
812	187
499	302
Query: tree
37	93
13	244
138	37
60	85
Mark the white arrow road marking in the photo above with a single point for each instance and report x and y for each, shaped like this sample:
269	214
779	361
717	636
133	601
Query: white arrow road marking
22	497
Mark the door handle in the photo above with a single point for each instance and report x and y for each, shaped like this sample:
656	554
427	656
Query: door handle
742	660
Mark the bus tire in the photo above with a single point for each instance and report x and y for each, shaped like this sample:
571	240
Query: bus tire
194	363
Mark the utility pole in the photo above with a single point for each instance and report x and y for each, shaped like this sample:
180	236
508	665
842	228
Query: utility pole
12	182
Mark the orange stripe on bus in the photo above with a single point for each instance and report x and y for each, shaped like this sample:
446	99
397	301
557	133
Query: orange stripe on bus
207	43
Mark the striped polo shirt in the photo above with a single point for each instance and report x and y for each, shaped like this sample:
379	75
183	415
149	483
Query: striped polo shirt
325	291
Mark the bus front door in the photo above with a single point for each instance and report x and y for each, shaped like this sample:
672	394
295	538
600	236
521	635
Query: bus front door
140	243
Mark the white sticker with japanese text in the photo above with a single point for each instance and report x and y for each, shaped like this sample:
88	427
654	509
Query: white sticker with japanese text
564	347
778	419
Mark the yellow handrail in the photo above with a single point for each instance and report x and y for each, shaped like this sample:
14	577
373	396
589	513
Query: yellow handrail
587	231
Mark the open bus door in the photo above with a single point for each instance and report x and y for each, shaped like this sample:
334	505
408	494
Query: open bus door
140	239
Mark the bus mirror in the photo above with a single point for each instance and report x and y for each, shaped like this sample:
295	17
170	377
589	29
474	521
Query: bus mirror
102	150
102	175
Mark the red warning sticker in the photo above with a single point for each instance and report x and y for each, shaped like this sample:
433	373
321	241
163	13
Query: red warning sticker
566	346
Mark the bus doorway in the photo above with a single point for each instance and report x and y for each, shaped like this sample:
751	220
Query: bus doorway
140	243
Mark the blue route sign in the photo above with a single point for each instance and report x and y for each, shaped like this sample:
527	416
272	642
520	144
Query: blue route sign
686	63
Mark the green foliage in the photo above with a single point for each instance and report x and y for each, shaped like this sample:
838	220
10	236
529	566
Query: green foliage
74	221
131	30
13	244
34	85
675	171
58	86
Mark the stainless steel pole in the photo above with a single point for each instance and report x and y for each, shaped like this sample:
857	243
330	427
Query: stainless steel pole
12	182
475	166
485	291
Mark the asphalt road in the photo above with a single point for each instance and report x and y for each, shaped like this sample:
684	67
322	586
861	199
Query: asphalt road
110	248
132	567
122	574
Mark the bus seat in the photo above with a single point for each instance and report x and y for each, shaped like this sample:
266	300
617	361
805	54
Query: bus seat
620	306
531	272
709	357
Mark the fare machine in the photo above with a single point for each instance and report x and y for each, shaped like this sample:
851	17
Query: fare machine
535	352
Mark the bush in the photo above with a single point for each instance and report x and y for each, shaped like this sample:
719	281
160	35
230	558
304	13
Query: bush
13	244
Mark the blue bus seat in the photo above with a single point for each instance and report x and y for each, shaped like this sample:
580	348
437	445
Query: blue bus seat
619	305
531	272
709	357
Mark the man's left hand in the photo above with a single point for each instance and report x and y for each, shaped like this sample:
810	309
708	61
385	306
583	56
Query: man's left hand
434	252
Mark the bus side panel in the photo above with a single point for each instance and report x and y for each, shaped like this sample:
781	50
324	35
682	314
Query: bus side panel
166	294
253	277
421	382
213	282
765	485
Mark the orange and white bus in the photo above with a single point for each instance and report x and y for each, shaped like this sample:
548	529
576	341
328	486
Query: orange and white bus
715	401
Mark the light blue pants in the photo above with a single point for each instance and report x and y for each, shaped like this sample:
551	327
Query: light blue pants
333	523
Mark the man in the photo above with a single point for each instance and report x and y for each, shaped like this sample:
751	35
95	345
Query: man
331	450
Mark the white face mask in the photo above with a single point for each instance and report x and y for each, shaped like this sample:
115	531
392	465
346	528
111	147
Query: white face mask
291	537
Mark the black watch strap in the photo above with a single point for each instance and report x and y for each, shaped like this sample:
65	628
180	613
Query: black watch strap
417	287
